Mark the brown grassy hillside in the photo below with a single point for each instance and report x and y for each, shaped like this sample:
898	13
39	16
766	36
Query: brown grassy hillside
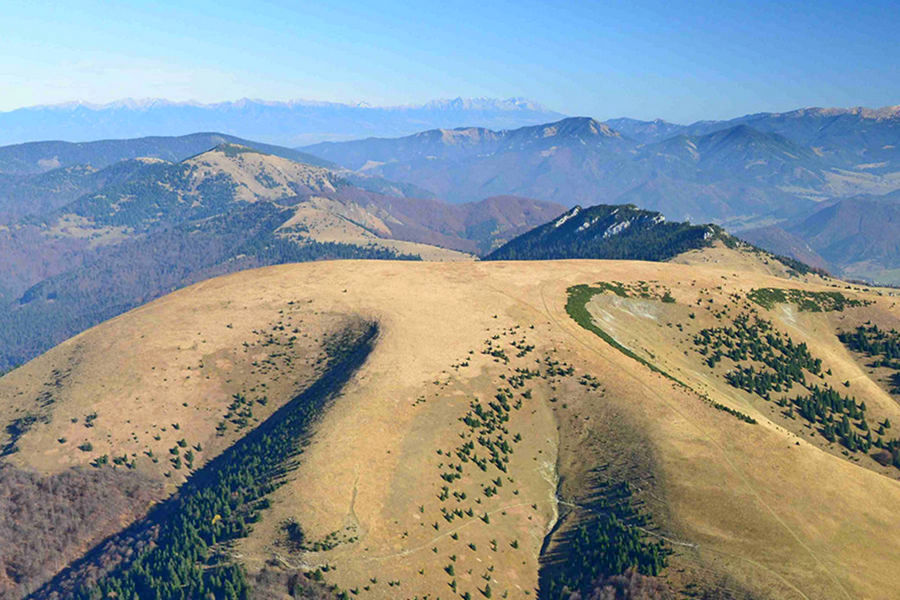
387	505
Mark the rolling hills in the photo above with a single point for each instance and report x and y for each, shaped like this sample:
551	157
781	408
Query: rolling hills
39	177
490	419
153	225
188	416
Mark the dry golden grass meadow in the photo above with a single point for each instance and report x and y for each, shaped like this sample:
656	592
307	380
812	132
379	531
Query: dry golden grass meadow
767	509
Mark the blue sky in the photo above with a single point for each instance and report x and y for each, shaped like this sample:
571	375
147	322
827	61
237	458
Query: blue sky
679	61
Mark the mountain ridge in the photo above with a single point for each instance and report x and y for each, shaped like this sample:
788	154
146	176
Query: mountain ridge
37	157
580	160
625	232
750	173
444	143
163	225
288	123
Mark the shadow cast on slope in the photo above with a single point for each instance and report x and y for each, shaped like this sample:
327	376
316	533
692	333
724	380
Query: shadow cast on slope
180	549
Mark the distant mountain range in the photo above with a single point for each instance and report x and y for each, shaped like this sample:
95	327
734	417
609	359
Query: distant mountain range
808	184
113	237
285	123
855	137
288	432
778	162
729	176
747	174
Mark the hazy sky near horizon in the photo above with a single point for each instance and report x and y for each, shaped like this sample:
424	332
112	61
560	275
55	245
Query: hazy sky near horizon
680	61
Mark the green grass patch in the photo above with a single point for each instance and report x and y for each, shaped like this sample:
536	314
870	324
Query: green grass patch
615	287
576	306
805	300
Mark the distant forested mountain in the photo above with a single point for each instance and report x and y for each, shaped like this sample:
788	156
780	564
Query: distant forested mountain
856	237
608	232
625	232
777	240
39	177
860	234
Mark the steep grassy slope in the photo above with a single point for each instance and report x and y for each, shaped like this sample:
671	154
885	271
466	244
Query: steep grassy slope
186	403
488	428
